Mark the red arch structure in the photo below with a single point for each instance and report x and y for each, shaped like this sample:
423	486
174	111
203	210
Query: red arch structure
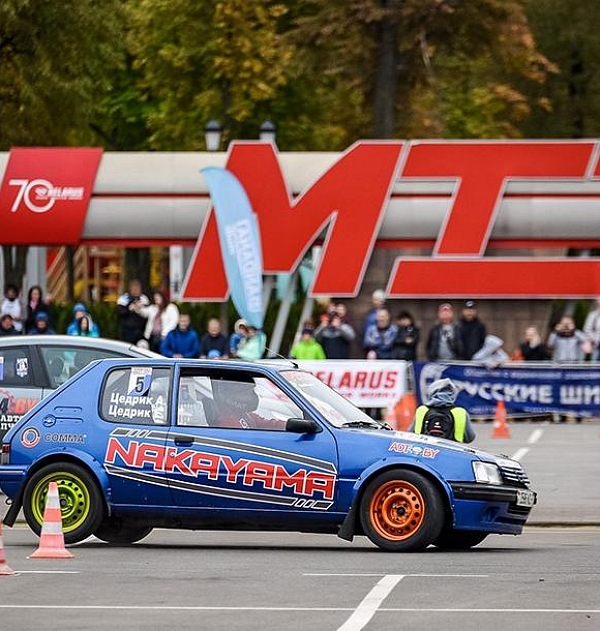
469	204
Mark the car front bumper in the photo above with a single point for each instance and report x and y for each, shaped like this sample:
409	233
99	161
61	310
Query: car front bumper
488	508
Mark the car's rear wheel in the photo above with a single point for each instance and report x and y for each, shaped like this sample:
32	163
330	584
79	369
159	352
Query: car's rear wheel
121	531
81	503
402	511
459	540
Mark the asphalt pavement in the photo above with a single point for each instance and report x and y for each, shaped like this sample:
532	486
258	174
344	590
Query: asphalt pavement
563	465
546	578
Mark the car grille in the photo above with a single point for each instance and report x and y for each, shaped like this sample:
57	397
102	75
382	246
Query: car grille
514	476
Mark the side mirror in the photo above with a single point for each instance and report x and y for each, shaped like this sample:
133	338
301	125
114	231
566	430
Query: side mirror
302	426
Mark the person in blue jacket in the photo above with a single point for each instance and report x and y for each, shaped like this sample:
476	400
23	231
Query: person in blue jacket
75	328
182	341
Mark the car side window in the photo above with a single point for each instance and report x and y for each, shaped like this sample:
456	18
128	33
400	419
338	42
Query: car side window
193	398
233	400
136	394
62	362
15	367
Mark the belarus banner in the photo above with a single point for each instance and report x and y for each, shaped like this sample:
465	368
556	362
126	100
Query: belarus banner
367	383
528	388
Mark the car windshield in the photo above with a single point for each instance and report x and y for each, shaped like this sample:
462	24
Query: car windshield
332	405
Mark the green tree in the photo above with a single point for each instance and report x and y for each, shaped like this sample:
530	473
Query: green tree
56	61
567	32
206	59
425	67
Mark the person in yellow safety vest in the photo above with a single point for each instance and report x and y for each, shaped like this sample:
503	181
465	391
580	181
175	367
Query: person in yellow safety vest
440	417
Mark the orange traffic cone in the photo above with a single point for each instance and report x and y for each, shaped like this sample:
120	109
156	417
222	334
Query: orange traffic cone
5	570
52	540
500	429
405	411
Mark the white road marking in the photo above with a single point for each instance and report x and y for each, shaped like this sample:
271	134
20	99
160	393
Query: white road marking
488	610
170	608
371	603
405	575
520	453
308	609
341	574
535	436
47	571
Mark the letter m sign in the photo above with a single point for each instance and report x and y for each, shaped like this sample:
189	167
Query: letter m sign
345	206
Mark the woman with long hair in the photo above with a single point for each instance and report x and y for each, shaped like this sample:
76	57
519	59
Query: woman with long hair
35	305
162	317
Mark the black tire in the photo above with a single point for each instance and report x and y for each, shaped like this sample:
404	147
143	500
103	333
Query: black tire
121	531
402	511
459	540
81	502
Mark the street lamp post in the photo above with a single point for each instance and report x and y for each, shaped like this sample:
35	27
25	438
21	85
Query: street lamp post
267	131
213	132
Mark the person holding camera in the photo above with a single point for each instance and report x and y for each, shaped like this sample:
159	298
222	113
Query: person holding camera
567	343
335	336
132	322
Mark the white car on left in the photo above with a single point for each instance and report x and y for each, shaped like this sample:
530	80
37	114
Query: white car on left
32	366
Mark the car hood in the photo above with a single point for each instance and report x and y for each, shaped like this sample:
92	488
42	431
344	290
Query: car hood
423	441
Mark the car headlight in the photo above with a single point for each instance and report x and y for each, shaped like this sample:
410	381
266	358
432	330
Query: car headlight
486	472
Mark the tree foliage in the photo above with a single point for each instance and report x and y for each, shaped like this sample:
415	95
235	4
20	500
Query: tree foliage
56	60
149	74
567	32
427	67
207	59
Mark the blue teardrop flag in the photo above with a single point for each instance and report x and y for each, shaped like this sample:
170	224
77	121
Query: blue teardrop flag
239	238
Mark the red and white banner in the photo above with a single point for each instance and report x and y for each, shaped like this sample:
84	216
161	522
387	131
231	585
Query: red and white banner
45	195
367	383
459	201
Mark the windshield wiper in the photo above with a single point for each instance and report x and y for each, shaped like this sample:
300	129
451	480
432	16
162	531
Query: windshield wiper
365	424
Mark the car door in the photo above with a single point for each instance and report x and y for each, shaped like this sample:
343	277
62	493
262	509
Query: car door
134	413
231	448
19	388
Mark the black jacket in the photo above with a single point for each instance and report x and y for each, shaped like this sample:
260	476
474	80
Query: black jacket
472	335
335	340
433	342
534	353
405	346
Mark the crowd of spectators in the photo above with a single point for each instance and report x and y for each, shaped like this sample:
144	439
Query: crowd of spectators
467	337
32	318
158	324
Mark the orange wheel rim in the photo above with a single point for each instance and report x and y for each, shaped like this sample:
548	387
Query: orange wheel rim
397	510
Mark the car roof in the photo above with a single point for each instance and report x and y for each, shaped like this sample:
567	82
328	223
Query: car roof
229	364
100	343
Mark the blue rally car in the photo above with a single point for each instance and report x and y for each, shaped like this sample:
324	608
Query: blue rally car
135	444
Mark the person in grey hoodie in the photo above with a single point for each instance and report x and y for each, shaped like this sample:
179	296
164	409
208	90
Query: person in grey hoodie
439	404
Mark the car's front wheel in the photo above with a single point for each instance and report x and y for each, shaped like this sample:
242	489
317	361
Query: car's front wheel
120	531
81	503
401	511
